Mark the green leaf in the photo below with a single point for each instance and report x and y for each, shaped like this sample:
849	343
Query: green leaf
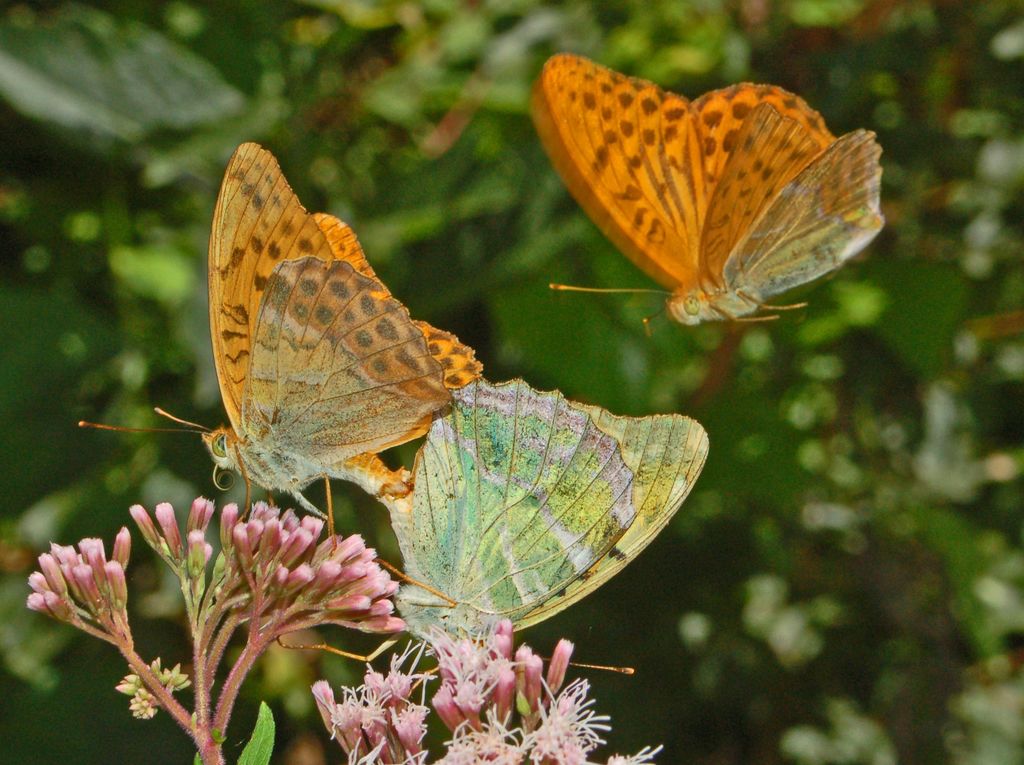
261	745
84	70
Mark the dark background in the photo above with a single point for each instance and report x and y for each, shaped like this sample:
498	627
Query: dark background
846	582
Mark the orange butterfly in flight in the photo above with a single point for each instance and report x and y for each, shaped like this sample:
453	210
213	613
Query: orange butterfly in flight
727	200
319	366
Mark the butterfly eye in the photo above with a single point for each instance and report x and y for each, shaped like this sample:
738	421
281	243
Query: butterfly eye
691	305
220	446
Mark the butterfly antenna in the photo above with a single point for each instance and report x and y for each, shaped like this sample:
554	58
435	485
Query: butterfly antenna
570	288
172	418
402	576
647	320
122	429
604	668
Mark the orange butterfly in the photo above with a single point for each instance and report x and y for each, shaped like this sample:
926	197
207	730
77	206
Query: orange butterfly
319	366
726	200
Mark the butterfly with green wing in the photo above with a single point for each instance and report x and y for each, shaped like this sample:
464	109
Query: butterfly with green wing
525	502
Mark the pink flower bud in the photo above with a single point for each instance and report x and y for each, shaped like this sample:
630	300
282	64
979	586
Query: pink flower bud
504	694
313	525
502	640
116	583
228	519
86	581
410	726
324	697
51	570
122	546
271	539
531	669
356	603
301	576
301	541
254	530
199	515
243	549
446	708
169	526
343	550
199	552
558	665
145	524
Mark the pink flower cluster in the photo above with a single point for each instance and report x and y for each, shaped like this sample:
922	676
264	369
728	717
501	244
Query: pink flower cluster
500	706
273	564
82	587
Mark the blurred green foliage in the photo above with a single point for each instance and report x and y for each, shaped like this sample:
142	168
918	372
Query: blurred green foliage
846	583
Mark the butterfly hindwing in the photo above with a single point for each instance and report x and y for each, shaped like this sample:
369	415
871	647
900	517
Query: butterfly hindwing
338	367
458	360
768	151
525	502
826	214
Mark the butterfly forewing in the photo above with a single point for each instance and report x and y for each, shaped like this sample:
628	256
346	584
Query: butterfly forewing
631	156
338	367
826	214
257	223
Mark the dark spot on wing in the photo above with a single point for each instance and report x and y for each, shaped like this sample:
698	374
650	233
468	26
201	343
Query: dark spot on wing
729	142
712	118
367	305
364	339
740	110
387	330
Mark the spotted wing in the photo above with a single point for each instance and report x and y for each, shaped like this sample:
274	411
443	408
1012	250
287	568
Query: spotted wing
631	155
338	367
258	222
721	115
523	501
824	216
457	359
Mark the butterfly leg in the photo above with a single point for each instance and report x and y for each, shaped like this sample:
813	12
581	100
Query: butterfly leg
374	477
330	510
306	505
751	299
400	575
338	652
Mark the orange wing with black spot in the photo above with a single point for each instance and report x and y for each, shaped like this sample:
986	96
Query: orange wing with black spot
632	156
457	359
